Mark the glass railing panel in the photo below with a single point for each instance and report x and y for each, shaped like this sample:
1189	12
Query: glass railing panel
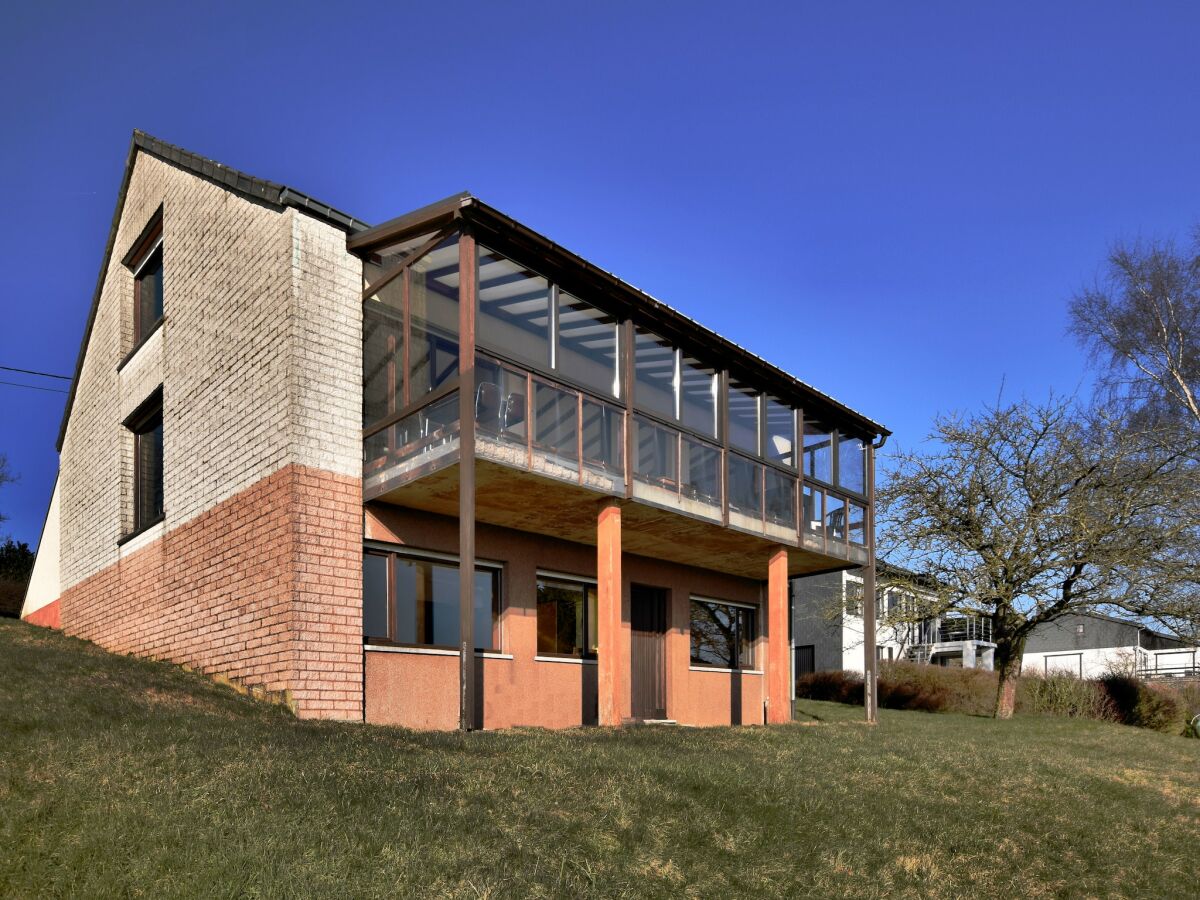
500	402
555	431
656	454
414	445
602	443
780	498
745	487
700	467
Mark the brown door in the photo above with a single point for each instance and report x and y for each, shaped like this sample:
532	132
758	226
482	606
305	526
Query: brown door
648	678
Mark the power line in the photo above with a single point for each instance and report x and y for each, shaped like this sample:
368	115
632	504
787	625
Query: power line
32	372
33	387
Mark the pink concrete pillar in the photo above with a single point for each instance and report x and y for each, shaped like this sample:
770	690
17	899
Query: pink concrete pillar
612	668
779	669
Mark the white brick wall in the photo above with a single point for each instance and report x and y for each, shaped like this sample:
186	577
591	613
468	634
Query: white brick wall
259	356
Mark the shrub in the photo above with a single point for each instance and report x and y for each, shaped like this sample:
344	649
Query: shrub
1060	694
906	685
838	687
1145	705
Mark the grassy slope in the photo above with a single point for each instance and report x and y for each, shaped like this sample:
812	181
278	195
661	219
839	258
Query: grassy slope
131	777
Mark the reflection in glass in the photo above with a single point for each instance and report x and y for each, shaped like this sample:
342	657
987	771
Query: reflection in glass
818	452
657	451
554	420
835	517
514	310
587	345
375	613
698	396
602	445
722	635
780	498
426	600
813	515
654	374
858	522
781	432
852	464
745	486
500	401
743	416
566	618
433	304
701	468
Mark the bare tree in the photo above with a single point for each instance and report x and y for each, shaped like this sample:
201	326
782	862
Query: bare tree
6	477
1027	512
1141	323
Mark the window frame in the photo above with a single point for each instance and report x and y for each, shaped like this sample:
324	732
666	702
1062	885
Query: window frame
585	582
148	244
391	554
740	664
142	423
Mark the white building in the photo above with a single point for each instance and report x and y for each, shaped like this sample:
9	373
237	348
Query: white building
1089	645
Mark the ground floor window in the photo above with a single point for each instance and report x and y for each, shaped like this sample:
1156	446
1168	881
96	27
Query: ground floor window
413	600
723	634
806	660
566	617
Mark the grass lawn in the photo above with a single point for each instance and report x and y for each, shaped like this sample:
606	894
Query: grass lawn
121	776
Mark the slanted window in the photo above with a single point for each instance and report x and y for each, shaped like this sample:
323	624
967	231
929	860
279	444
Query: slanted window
147	427
566	617
410	600
723	634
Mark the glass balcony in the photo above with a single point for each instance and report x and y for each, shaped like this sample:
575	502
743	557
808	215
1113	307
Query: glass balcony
418	444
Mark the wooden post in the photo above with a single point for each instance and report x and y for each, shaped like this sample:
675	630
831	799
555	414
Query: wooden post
870	659
466	481
611	670
779	691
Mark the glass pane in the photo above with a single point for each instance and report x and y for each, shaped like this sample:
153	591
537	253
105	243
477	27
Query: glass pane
743	417
714	635
587	345
593	642
433	358
698	396
781	433
858	521
852	464
835	517
375	598
514	310
814	517
385	258
656	450
745	486
427	604
383	354
149	289
554	420
745	637
701	468
781	498
602	446
148	472
500	401
818	452
561	623
654	374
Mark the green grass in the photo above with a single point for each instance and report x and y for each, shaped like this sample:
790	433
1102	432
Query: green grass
127	777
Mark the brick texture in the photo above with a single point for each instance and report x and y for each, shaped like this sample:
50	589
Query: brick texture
264	587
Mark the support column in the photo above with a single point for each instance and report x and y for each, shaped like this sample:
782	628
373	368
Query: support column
779	668
870	658
466	482
968	655
612	669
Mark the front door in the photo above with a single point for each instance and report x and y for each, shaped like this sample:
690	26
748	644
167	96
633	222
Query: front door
648	675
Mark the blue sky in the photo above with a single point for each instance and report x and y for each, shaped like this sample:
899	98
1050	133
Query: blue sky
892	201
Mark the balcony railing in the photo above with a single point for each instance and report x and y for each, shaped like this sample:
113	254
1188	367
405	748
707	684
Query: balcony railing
530	422
948	629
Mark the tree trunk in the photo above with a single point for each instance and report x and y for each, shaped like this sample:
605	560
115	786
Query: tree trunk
1008	666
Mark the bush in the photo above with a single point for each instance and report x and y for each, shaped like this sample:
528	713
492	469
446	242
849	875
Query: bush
1060	694
838	687
1145	705
905	685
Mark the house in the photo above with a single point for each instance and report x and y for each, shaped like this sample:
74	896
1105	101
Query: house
829	625
1089	644
436	473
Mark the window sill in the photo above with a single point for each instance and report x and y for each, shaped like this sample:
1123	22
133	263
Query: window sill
125	539
726	671
141	343
431	651
570	660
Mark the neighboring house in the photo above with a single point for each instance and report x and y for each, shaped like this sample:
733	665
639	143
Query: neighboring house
1089	645
828	625
435	473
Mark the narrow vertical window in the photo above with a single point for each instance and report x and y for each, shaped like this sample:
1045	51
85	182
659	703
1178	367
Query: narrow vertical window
147	427
145	260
